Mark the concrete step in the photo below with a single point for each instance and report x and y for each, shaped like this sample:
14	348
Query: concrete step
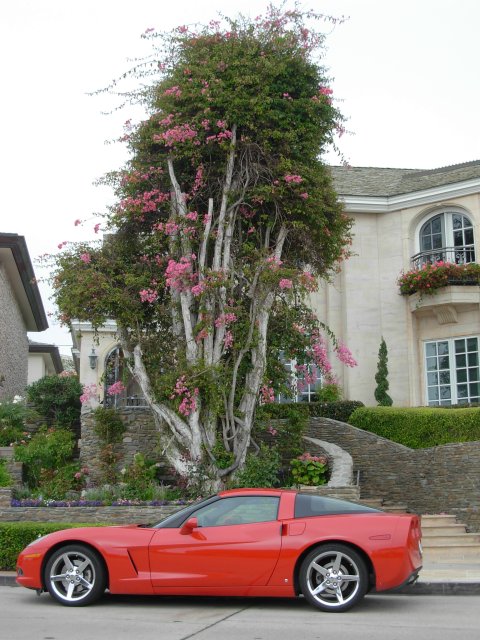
434	520
443	554
443	530
457	540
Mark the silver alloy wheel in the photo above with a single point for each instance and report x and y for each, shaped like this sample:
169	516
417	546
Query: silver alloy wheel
74	575
333	577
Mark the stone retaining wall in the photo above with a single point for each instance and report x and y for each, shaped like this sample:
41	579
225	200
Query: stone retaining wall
102	515
141	436
439	479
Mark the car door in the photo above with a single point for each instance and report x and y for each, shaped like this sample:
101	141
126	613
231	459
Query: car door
236	543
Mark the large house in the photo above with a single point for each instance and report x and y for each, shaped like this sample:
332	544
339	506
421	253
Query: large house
403	219
21	311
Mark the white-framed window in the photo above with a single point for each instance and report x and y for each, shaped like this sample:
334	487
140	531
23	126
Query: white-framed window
303	390
446	236
452	371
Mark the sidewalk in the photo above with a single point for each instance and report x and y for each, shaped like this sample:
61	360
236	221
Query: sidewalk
457	580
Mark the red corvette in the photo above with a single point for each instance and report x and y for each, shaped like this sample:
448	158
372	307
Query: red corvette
243	542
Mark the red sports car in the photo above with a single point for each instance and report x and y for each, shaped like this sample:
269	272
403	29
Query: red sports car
243	542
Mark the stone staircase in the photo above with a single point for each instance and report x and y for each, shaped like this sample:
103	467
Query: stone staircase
450	553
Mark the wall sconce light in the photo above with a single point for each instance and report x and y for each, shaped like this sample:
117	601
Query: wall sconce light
93	359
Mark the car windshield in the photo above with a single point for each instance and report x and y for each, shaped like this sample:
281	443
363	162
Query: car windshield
176	519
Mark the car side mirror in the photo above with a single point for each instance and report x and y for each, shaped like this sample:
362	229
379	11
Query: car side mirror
188	526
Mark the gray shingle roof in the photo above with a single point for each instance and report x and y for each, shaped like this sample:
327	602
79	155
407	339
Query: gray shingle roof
379	181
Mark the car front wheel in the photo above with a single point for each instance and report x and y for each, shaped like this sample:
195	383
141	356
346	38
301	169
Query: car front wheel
75	576
333	577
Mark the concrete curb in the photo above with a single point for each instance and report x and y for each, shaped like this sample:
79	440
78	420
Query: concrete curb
7	579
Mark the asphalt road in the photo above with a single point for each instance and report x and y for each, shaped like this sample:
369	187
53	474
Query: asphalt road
379	617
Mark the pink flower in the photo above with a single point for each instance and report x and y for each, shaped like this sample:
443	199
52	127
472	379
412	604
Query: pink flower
285	283
77	222
148	295
225	319
86	258
267	394
295	179
193	215
89	391
198	289
228	340
96	228
116	388
304	195
345	355
62	244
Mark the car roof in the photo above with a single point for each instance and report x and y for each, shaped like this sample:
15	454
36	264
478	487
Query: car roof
256	491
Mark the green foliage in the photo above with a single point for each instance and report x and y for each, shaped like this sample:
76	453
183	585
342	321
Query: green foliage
14	537
421	427
261	469
55	484
109	426
381	377
340	411
432	277
285	425
48	450
139	479
5	477
329	393
13	416
309	470
57	399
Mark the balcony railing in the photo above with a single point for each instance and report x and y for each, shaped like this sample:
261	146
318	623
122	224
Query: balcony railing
455	255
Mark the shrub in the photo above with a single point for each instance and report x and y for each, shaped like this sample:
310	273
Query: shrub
309	470
381	377
139	479
421	427
55	484
5	477
57	399
331	392
341	410
261	469
14	536
49	449
286	435
13	416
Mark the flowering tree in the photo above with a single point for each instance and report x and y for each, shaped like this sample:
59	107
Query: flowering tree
221	208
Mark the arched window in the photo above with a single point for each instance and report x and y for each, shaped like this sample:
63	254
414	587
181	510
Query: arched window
115	371
446	237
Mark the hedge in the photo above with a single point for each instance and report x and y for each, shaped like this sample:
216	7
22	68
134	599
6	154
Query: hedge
14	536
419	428
340	410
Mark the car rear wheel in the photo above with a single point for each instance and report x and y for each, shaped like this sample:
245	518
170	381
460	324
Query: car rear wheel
333	577
75	576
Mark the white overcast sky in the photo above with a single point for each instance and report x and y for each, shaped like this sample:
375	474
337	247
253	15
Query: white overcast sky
406	72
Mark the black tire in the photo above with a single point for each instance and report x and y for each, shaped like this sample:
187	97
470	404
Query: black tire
75	575
333	577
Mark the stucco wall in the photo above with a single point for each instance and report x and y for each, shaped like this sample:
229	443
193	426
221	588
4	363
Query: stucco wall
363	303
13	342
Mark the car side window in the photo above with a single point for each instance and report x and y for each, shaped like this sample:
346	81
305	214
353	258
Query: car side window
238	510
